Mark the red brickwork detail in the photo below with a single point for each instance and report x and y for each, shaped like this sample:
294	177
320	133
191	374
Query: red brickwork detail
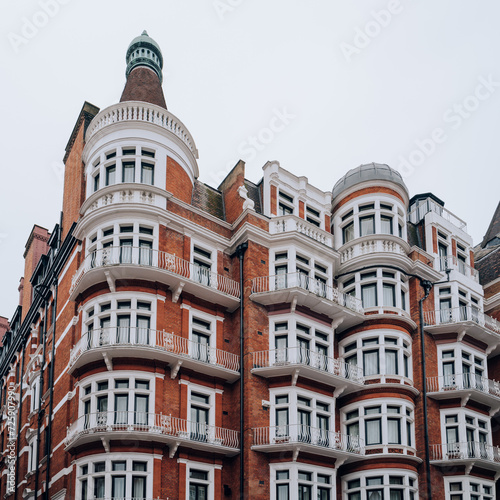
178	181
274	200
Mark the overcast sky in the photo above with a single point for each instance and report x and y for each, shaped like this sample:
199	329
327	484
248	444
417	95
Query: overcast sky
411	83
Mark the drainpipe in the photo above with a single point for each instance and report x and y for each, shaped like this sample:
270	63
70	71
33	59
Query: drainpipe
427	286
19	419
40	399
240	252
51	388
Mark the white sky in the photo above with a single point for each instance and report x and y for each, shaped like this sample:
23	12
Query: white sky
229	65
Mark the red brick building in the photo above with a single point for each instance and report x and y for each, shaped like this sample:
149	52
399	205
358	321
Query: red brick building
260	341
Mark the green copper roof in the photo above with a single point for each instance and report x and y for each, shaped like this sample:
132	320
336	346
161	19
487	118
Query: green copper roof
144	51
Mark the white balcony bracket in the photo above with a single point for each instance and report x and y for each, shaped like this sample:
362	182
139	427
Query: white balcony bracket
465	400
337	322
294	304
339	462
338	392
111	281
494	410
461	335
490	349
105	443
177	292
295	376
107	360
497	475
174	370
296	453
173	449
468	468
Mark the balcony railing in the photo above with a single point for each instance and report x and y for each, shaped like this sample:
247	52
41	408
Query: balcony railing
453	263
459	315
463	381
428	205
142	112
315	286
151	424
148	257
306	357
305	434
465	451
154	339
375	244
289	223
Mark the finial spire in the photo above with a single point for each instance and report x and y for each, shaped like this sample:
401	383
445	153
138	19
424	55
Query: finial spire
144	71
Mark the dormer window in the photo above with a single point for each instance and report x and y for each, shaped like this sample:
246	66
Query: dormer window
285	206
313	216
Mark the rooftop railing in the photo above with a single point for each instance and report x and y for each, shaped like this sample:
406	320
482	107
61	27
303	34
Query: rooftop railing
429	205
312	285
154	339
148	257
142	112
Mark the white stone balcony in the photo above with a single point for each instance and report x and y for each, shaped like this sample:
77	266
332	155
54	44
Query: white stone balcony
387	249
300	437
469	454
125	194
141	426
466	386
291	223
466	320
297	361
126	262
452	263
303	290
127	112
132	342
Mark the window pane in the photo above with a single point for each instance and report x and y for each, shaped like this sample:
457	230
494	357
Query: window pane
147	173
391	362
366	225
371	363
393	431
369	295
373	432
389	295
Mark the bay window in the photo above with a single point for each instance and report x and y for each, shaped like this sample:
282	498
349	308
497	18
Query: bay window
301	482
384	484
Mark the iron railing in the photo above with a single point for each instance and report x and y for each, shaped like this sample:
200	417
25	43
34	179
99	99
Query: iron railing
315	286
306	357
459	315
152	424
154	339
464	451
461	381
305	434
148	257
451	262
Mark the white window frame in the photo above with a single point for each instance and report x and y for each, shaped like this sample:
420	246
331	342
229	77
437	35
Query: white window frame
466	483
211	333
403	348
293	481
108	458
384	415
385	474
462	413
110	378
92	315
210	469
